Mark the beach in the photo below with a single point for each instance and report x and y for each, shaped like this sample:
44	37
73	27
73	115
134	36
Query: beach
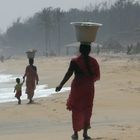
116	114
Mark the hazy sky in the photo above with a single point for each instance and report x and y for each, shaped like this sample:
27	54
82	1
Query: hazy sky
10	10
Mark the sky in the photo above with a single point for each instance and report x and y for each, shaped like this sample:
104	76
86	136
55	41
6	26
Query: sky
10	10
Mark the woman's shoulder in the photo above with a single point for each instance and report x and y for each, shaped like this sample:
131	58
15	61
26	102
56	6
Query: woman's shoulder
76	58
28	66
31	67
73	59
93	59
34	68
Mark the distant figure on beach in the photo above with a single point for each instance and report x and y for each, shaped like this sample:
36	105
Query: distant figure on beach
18	89
80	101
31	79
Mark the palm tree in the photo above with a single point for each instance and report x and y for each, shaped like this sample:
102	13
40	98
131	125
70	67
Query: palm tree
46	21
58	14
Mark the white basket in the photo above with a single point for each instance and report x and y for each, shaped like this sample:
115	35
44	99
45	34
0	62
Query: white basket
31	53
86	31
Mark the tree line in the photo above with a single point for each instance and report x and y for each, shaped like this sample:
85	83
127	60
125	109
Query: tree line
49	30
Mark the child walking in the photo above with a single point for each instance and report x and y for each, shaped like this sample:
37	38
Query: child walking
18	89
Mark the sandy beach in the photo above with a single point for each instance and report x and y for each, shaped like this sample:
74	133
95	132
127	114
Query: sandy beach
116	114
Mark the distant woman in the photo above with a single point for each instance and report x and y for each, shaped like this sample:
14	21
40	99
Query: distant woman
80	101
31	79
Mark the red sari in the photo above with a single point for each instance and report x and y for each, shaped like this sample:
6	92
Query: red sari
31	78
81	97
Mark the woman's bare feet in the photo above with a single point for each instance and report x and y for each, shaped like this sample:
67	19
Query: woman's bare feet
86	137
74	136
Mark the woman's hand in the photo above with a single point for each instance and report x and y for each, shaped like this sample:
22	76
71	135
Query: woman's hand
58	88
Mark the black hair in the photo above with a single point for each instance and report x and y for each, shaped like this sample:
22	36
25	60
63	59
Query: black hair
31	61
85	50
18	80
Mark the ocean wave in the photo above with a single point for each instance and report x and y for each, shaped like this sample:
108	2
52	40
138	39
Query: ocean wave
6	78
7	90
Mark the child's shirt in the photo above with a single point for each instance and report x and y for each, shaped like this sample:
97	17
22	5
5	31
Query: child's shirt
18	87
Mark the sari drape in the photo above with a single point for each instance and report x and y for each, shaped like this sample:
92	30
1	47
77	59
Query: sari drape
81	96
31	78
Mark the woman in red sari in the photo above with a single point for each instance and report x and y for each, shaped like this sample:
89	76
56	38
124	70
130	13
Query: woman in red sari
80	101
31	79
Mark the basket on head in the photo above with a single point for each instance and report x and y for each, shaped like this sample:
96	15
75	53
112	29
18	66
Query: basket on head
31	53
86	31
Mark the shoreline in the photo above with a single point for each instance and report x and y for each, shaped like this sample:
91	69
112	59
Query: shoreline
41	91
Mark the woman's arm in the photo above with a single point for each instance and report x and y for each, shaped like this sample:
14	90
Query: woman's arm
37	77
66	77
25	73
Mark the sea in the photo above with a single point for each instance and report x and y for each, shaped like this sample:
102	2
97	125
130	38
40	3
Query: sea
7	83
